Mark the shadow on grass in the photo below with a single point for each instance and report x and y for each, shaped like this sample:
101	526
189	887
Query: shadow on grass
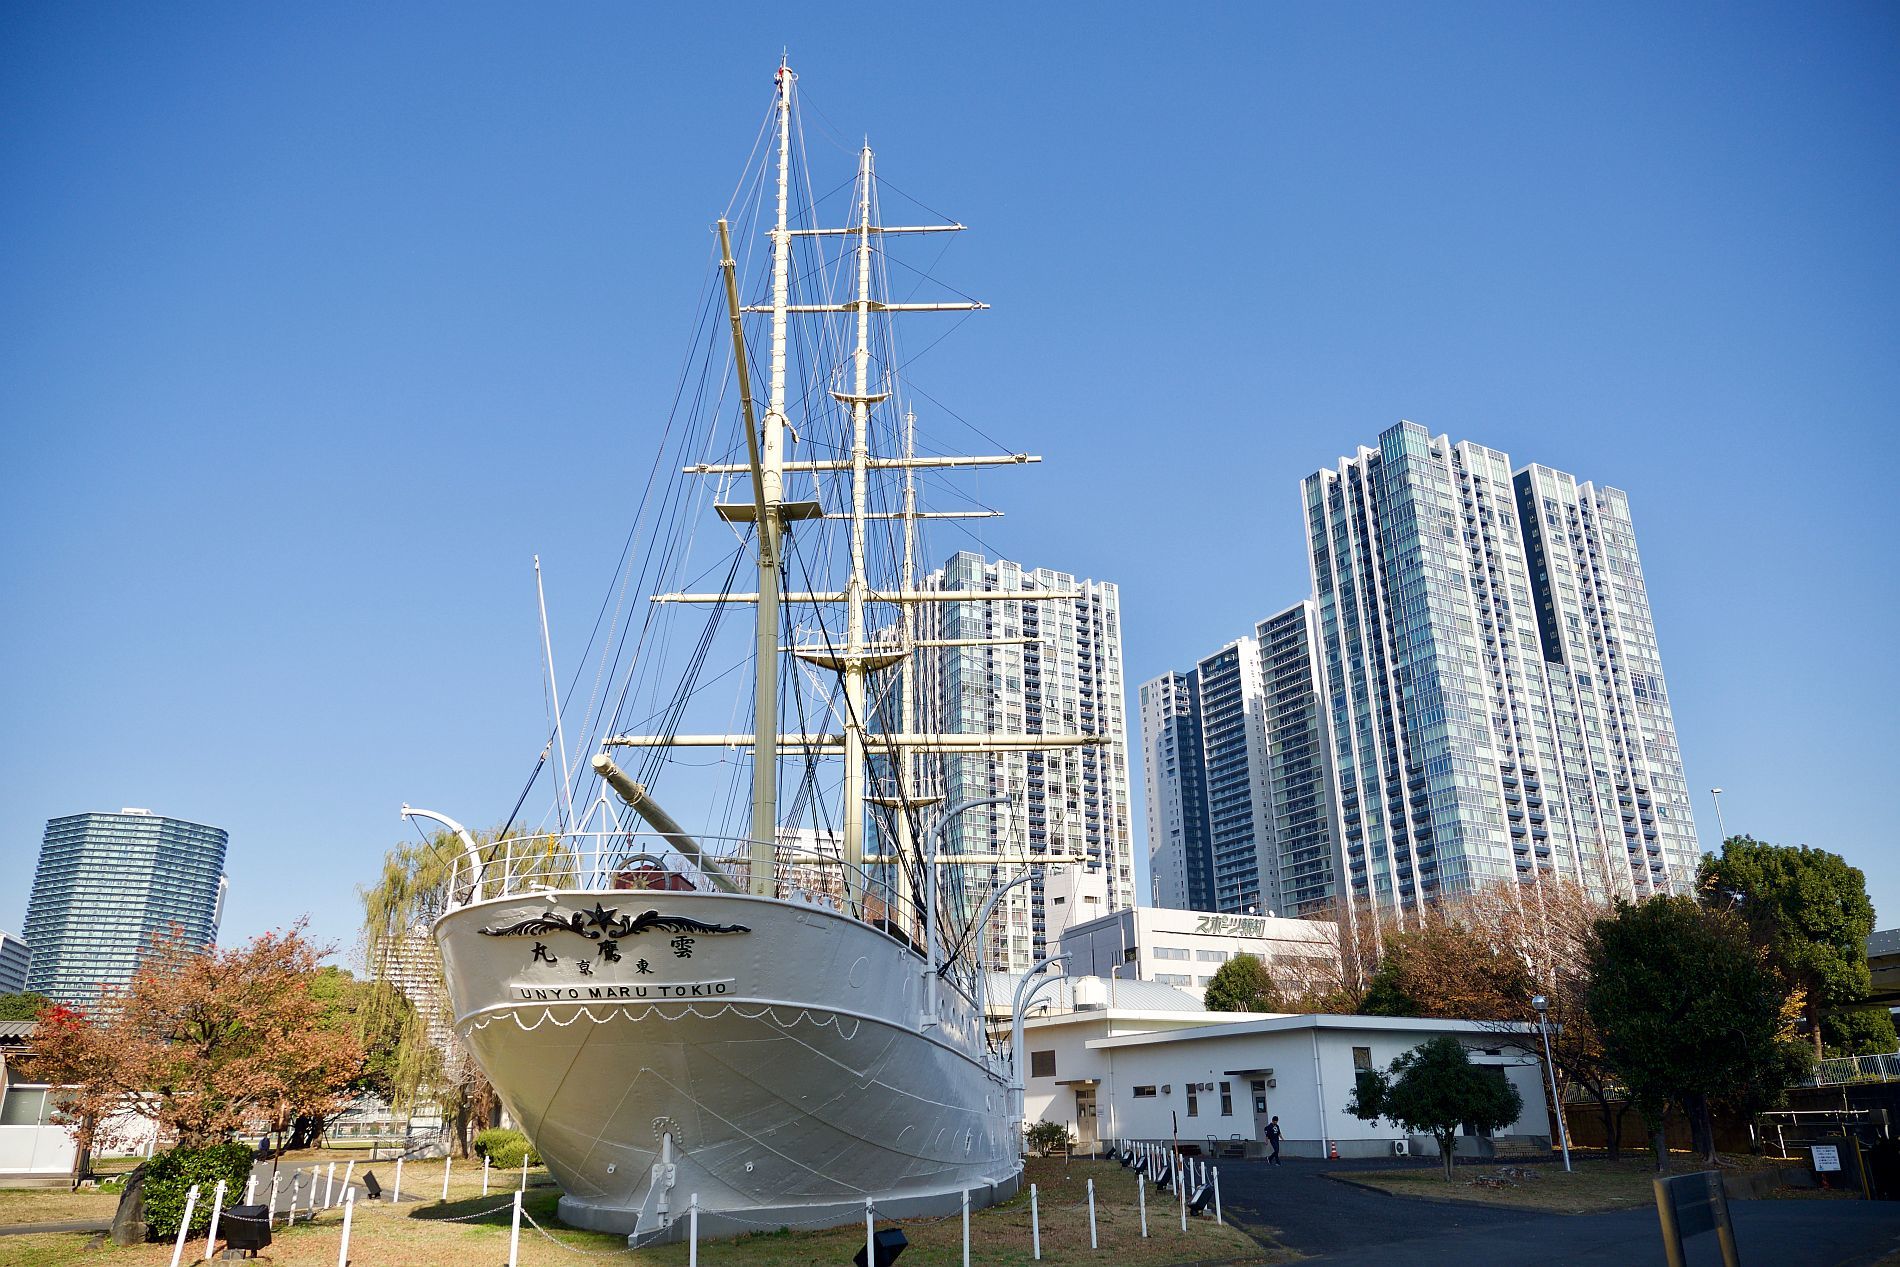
494	1210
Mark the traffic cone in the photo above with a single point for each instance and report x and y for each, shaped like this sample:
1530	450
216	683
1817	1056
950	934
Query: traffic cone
1332	1151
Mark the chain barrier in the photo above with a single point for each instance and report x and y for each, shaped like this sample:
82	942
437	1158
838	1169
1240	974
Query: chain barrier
479	1214
574	1249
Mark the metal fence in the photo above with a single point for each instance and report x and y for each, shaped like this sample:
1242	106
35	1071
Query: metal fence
1838	1071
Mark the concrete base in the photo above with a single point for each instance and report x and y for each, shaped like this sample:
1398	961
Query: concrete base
715	1224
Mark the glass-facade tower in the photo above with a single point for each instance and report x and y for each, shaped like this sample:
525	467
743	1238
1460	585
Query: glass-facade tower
1174	774
107	882
1481	695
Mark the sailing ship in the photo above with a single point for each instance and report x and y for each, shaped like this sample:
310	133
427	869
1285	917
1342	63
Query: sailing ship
776	1023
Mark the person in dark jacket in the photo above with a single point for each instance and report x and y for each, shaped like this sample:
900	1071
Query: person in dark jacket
1273	1138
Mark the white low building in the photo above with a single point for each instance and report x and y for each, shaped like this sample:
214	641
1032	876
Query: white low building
1215	1079
1186	948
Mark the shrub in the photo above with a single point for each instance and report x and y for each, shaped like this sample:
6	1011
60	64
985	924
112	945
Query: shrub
170	1174
505	1148
1043	1136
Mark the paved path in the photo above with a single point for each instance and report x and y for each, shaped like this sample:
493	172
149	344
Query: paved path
1341	1225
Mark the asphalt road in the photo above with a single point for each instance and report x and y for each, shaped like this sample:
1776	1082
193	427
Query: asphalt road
1341	1225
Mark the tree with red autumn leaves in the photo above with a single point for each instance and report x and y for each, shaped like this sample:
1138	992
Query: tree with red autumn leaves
210	1042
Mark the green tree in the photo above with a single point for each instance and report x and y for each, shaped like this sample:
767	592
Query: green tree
1807	908
22	1007
1242	984
1435	1090
1689	1012
1866	1032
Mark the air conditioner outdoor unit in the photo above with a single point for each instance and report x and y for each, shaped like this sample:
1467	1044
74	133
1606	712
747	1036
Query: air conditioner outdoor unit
1401	1148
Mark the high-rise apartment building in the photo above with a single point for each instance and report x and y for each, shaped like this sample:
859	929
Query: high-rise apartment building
15	959
1174	773
1299	871
1494	701
1233	758
1043	666
105	884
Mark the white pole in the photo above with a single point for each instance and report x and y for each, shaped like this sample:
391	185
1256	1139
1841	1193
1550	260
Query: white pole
395	1193
554	694
217	1208
484	1174
270	1216
250	1189
447	1162
1556	1102
870	1234
348	1171
1180	1190
1217	1217
184	1226
329	1188
292	1220
1035	1223
1092	1244
1141	1195
966	1227
692	1231
514	1235
349	1209
524	1172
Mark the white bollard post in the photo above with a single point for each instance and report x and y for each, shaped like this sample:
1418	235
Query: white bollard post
250	1189
870	1234
217	1208
514	1236
524	1172
184	1226
1180	1189
1141	1197
1217	1217
270	1215
692	1231
447	1161
329	1188
348	1172
1092	1244
485	1174
395	1194
349	1208
966	1227
292	1220
1035	1224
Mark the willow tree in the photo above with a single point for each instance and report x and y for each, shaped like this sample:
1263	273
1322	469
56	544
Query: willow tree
428	1063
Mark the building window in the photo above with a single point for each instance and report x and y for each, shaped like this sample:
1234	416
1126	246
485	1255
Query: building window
1194	1099
1362	1058
1144	1093
1226	1099
1042	1064
1171	952
23	1107
1211	956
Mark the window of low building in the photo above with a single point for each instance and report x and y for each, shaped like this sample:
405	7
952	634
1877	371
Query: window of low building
1042	1064
1194	1100
1226	1099
1362	1058
1144	1093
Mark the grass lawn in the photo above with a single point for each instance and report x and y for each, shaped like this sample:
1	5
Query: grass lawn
1596	1184
412	1235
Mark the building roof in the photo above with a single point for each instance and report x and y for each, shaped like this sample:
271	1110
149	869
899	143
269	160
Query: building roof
1142	996
17	1031
1249	1023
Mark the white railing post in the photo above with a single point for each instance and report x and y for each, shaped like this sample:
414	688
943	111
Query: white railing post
1035	1224
447	1162
270	1215
966	1227
514	1236
250	1189
524	1172
1217	1215
484	1174
295	1177
395	1194
217	1208
349	1209
692	1231
1180	1190
184	1226
1141	1196
343	1194
870	1234
1092	1242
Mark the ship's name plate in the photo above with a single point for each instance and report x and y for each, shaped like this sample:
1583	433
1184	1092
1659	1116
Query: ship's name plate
615	993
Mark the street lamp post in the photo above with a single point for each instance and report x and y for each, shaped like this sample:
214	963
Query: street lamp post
1020	1006
1715	794
1542	1005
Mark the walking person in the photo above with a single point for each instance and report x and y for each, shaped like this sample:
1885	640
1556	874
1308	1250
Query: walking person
1273	1138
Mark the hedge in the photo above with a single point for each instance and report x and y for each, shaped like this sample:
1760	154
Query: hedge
506	1148
170	1174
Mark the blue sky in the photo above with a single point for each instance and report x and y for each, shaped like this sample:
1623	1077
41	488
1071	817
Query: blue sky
319	322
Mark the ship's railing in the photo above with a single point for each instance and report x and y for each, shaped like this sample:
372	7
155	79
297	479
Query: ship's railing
636	861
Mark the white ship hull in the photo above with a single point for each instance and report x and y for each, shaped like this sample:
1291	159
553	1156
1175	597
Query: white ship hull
784	1071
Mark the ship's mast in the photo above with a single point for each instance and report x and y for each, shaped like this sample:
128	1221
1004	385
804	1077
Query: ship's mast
771	497
860	399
